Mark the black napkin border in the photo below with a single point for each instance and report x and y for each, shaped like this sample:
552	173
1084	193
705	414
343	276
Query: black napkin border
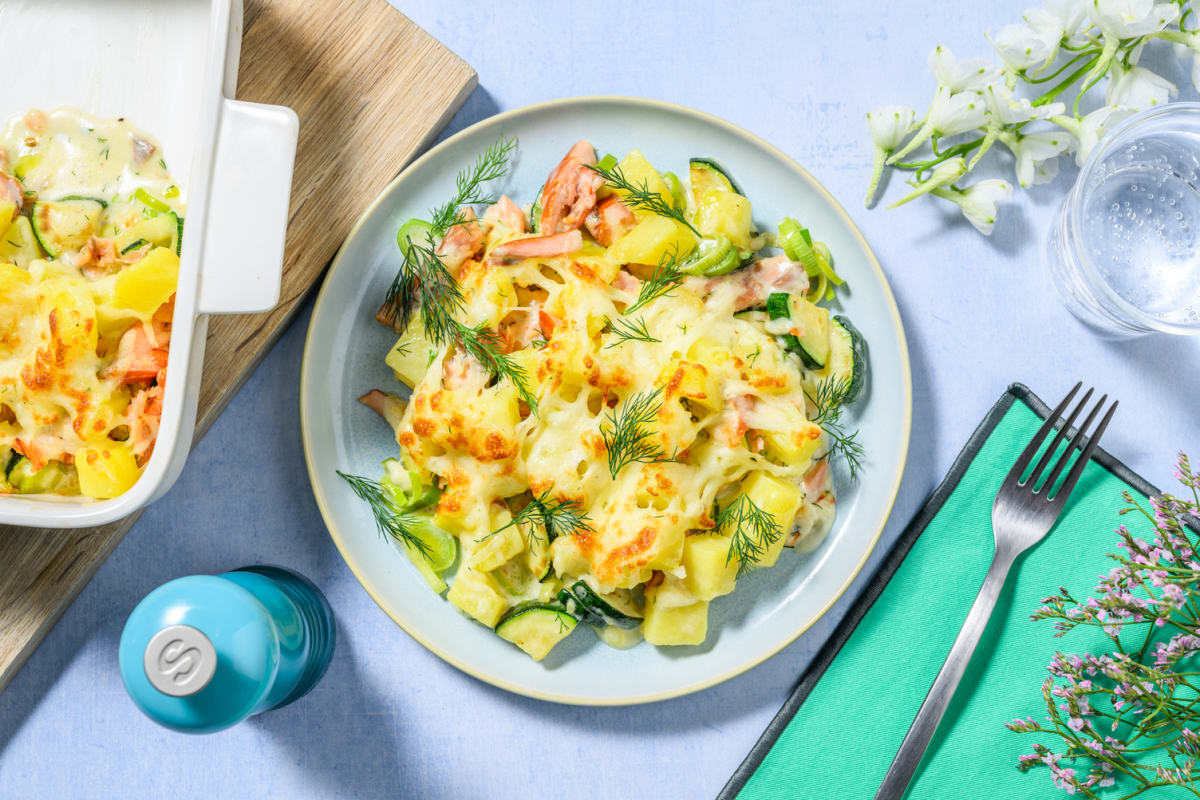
895	557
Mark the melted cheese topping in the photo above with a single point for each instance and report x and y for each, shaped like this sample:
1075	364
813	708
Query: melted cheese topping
723	381
70	376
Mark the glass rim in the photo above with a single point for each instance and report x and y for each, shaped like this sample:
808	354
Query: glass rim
1075	214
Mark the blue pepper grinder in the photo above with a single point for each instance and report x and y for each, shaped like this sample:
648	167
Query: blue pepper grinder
204	652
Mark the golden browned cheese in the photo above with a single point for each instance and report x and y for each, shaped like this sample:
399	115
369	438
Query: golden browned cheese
717	376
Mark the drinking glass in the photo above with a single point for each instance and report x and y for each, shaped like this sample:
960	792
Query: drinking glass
1124	251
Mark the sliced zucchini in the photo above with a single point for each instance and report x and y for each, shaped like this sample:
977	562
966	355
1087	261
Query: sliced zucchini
812	343
18	244
706	174
54	478
161	231
103	203
440	548
62	225
611	609
536	627
847	357
407	489
134	245
715	256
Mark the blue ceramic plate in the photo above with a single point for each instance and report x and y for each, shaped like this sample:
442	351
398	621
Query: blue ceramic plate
344	358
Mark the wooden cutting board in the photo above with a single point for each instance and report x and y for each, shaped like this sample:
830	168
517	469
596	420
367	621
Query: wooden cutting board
371	90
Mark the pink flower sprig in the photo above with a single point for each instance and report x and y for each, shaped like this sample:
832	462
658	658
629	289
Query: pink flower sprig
1130	719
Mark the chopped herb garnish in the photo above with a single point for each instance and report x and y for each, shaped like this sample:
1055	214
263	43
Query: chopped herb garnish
752	532
828	400
640	197
424	282
627	437
390	522
556	518
662	280
628	330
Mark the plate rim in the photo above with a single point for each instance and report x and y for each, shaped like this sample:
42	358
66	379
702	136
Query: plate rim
752	139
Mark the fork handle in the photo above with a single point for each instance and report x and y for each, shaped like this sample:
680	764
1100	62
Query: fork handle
908	757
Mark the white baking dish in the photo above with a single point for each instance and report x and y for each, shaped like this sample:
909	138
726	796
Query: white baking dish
169	66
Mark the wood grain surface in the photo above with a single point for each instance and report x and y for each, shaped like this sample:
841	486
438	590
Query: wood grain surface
371	90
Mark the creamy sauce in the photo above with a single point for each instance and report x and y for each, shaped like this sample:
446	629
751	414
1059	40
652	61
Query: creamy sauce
67	152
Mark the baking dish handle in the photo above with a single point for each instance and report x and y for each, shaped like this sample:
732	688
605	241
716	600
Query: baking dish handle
248	208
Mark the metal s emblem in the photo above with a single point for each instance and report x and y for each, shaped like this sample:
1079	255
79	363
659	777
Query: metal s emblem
180	660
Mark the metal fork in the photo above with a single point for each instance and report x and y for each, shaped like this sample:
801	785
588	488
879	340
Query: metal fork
1023	513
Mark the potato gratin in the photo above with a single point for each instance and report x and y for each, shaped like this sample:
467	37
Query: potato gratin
618	407
88	267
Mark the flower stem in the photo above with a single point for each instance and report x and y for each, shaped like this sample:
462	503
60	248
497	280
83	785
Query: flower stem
1052	94
881	156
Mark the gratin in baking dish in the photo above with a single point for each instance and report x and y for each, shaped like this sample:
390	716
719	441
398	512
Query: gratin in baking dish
171	68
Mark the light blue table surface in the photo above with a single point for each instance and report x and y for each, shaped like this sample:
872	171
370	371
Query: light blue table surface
390	720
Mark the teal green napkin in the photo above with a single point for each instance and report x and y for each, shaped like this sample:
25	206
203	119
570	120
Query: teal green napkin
842	725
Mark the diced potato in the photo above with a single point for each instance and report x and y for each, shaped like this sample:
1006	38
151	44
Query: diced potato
148	283
478	596
728	213
675	625
780	499
693	381
639	172
106	470
710	570
412	354
794	439
650	239
12	276
8	210
70	314
497	548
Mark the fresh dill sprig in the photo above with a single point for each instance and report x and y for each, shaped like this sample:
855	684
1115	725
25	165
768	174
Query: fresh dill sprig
627	437
628	330
640	197
828	400
661	282
556	518
396	525
752	532
423	282
490	165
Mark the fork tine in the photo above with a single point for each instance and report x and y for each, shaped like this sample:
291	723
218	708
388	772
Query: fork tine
1060	497
1014	474
1032	480
1076	443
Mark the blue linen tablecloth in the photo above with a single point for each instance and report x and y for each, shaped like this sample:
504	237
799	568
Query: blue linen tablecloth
391	720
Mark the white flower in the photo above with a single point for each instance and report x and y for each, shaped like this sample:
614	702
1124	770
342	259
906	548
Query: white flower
1087	131
1137	87
1049	25
1037	154
957	113
962	76
1070	15
979	202
889	125
1126	19
1021	46
1009	110
950	114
